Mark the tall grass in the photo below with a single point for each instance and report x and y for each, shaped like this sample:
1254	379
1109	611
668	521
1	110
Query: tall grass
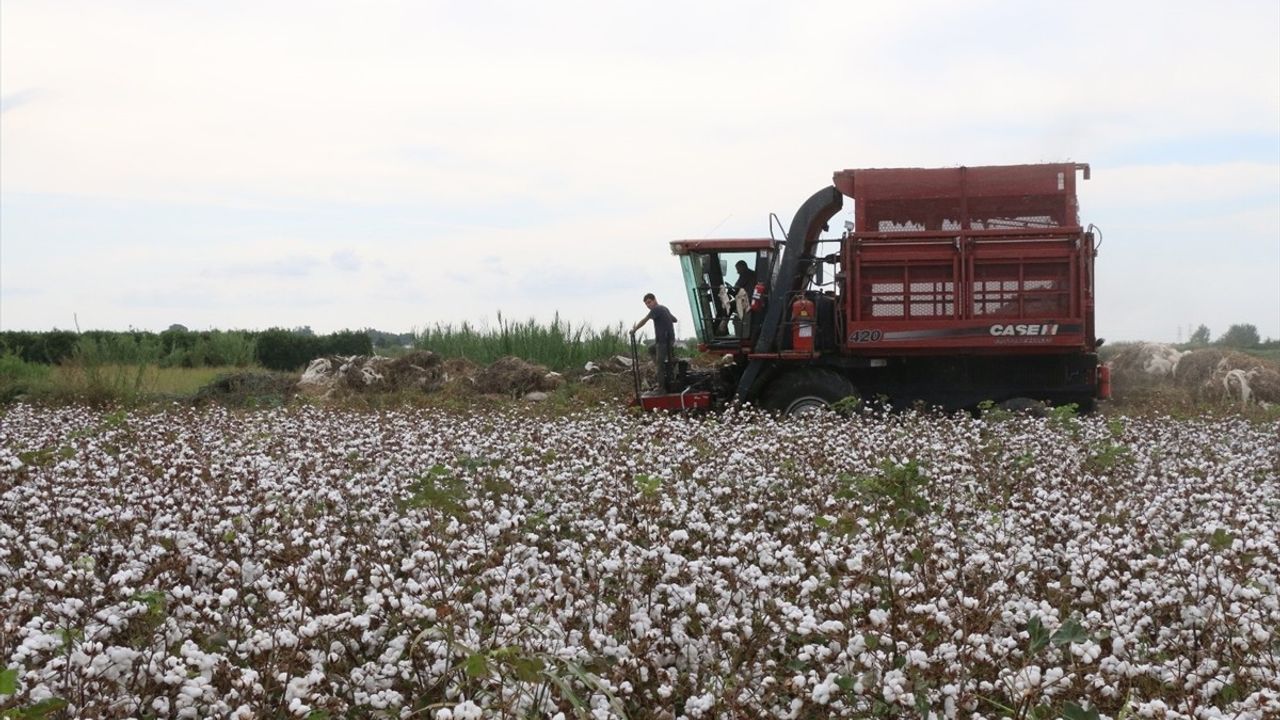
19	377
559	346
112	367
120	368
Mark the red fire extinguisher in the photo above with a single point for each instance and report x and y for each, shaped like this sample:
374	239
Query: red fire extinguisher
1104	382
802	325
757	297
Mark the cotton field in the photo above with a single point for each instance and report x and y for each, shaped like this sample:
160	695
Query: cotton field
325	563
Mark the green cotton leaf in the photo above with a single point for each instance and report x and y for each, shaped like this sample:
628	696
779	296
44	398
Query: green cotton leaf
922	704
567	691
845	683
42	709
153	599
438	491
1221	539
477	665
1070	632
1073	711
1039	635
8	681
528	669
648	486
872	641
823	522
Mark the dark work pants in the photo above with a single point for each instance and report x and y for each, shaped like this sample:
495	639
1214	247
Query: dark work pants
662	359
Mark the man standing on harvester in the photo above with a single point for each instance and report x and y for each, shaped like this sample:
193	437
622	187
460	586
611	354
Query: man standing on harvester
664	335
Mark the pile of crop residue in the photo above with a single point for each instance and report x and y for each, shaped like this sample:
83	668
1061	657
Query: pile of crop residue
249	388
515	377
1206	374
335	375
426	372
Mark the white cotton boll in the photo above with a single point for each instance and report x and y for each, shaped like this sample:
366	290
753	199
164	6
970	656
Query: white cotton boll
467	710
699	704
878	616
679	535
1153	709
228	596
1027	681
1087	651
823	691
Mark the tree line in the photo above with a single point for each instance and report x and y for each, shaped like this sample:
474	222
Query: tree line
1242	335
275	349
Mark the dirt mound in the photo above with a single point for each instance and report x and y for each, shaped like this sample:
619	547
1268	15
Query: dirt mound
1145	363
515	377
1205	374
419	370
460	376
248	389
1228	375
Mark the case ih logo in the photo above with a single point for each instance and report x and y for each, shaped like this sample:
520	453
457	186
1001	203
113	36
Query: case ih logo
1024	330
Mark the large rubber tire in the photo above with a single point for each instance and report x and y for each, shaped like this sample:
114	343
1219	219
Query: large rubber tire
806	390
1025	406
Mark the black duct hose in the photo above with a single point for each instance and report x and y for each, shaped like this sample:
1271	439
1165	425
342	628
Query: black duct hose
809	221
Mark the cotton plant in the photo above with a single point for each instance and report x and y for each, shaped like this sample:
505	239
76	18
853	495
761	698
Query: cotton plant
316	562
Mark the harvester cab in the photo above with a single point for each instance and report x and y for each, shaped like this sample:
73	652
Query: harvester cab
725	281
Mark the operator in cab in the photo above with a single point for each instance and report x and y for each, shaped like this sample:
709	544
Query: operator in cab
664	335
744	287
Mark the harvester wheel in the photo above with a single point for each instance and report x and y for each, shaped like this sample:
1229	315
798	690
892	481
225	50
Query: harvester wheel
805	391
1025	405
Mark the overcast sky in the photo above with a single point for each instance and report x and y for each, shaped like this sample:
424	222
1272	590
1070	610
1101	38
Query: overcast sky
395	165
